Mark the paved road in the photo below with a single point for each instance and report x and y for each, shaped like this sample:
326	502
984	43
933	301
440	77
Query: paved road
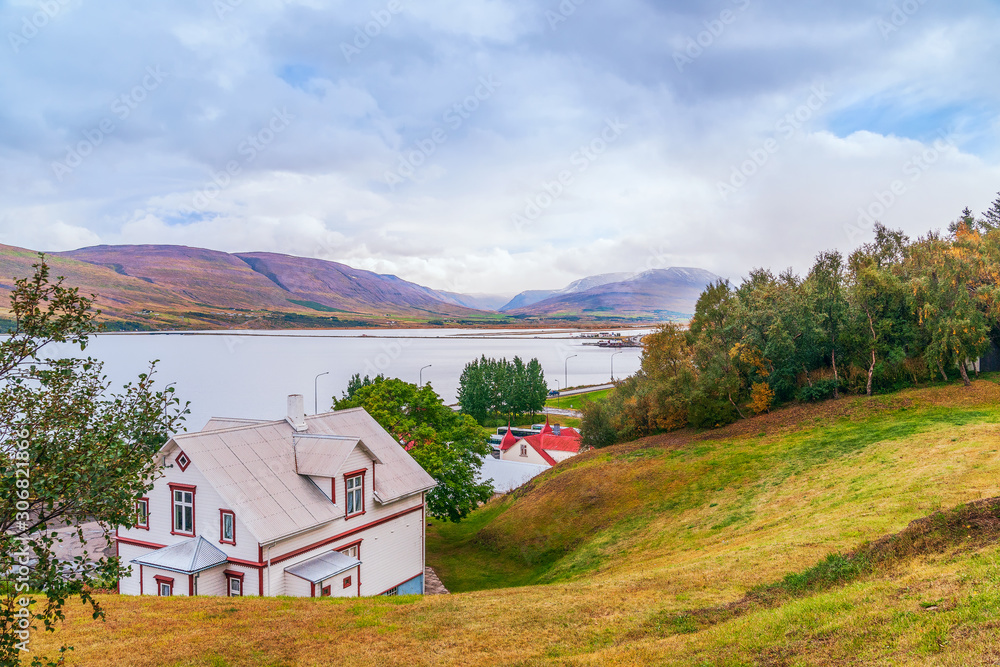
585	390
563	412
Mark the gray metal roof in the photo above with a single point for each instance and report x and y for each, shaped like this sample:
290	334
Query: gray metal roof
219	423
323	567
253	467
399	475
323	455
188	557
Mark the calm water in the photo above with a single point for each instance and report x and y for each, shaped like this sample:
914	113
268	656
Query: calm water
249	374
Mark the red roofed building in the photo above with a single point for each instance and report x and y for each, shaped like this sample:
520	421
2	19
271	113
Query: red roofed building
552	445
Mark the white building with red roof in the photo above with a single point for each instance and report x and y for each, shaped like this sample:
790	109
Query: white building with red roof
552	445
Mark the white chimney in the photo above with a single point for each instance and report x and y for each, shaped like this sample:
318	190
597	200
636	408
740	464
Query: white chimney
296	412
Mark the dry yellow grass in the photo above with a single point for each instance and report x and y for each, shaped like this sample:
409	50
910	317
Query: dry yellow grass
631	535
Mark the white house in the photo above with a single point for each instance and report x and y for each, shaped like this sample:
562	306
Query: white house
306	506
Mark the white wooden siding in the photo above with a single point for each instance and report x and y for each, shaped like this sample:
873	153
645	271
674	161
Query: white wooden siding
207	503
514	454
151	587
296	586
130	585
392	553
213	582
336	585
559	455
251	579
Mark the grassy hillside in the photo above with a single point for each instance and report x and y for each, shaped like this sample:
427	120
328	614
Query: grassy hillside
682	549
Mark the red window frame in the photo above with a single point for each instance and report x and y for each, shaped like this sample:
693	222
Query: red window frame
182	466
143	526
347	581
353	475
325	592
222	526
230	575
160	580
356	543
194	509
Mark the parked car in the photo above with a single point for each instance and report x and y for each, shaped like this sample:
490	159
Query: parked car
554	392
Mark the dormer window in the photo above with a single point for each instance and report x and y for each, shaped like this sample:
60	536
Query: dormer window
354	493
182	461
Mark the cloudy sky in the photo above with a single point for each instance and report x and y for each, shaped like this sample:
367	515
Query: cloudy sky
496	145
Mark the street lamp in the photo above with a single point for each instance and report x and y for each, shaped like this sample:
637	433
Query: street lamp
613	364
566	369
420	375
316	392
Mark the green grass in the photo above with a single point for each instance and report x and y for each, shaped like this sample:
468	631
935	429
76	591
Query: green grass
576	401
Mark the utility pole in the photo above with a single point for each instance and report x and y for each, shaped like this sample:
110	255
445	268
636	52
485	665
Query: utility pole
316	392
566	369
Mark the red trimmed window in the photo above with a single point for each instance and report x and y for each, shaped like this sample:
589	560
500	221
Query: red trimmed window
227	527
234	583
325	592
182	510
354	493
352	551
164	586
347	582
182	461
142	513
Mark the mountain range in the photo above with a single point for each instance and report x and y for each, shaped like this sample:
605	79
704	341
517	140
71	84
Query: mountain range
666	294
162	286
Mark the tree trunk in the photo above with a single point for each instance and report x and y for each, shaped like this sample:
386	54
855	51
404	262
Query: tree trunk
836	380
871	372
871	369
965	374
941	369
738	411
806	370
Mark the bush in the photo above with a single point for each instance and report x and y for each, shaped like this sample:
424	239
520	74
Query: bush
596	430
819	391
710	412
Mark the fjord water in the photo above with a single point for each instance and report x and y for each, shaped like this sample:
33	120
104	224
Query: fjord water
250	373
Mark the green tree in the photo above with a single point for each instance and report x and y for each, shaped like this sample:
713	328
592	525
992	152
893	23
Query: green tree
356	382
491	389
877	299
449	446
957	329
991	216
70	452
825	285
